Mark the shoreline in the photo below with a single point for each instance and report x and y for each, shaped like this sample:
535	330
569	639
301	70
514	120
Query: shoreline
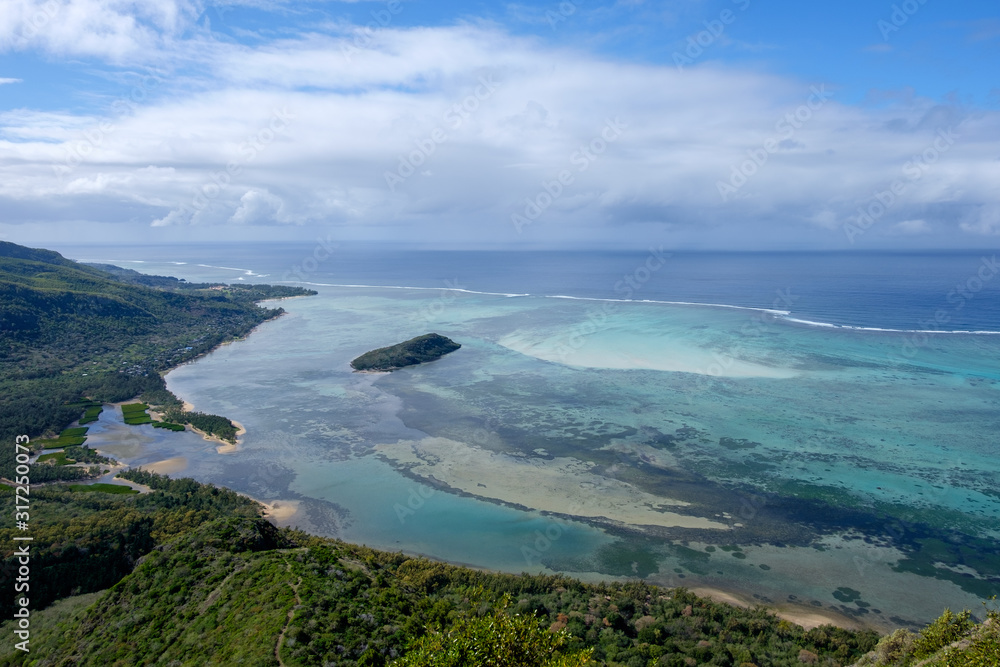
224	446
283	513
802	615
289	513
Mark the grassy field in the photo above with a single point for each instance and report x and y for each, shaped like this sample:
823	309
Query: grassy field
169	425
91	413
71	437
135	414
102	488
58	458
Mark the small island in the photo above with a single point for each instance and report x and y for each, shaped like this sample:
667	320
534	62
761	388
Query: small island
415	351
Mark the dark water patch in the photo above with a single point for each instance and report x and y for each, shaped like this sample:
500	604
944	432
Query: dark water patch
623	558
846	594
734	444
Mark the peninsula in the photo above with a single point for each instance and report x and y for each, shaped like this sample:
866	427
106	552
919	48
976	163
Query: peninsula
419	350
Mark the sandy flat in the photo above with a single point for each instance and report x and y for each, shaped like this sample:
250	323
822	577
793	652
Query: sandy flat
166	466
627	350
280	512
562	485
807	617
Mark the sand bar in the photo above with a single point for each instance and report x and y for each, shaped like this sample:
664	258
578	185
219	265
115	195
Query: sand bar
807	617
280	512
628	350
166	466
562	485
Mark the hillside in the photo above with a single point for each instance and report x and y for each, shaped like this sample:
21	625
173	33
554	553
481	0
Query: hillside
419	350
227	587
70	331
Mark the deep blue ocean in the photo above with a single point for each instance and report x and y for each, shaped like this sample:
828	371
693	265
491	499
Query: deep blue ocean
896	290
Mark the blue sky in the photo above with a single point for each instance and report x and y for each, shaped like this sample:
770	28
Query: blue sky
715	124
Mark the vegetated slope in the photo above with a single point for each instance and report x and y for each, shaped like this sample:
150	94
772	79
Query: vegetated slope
69	331
953	640
221	592
415	351
84	542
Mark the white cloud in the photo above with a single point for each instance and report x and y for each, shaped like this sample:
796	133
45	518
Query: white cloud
984	221
912	227
114	29
6	81
467	103
259	207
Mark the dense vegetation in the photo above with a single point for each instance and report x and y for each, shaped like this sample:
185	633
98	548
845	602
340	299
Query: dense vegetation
202	580
86	542
193	575
73	336
417	350
953	640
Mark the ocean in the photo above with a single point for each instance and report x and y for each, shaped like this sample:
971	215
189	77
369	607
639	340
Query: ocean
813	430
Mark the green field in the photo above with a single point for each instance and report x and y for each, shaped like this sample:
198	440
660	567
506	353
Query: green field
169	425
135	414
91	410
101	488
59	458
71	437
91	414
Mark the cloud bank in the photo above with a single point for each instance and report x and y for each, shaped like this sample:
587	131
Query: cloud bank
468	133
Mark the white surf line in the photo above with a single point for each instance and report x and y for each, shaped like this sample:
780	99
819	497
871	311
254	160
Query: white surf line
827	325
670	303
246	272
126	261
783	314
433	289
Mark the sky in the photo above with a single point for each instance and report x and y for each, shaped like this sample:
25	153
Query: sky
689	124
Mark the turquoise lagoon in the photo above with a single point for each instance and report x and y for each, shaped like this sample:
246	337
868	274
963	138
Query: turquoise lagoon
824	458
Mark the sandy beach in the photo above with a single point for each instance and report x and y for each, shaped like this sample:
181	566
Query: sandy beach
166	466
280	512
223	447
807	617
561	485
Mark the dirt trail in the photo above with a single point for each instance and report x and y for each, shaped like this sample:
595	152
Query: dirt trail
291	614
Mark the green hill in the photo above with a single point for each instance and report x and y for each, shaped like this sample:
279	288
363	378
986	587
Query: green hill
419	350
215	585
70	332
